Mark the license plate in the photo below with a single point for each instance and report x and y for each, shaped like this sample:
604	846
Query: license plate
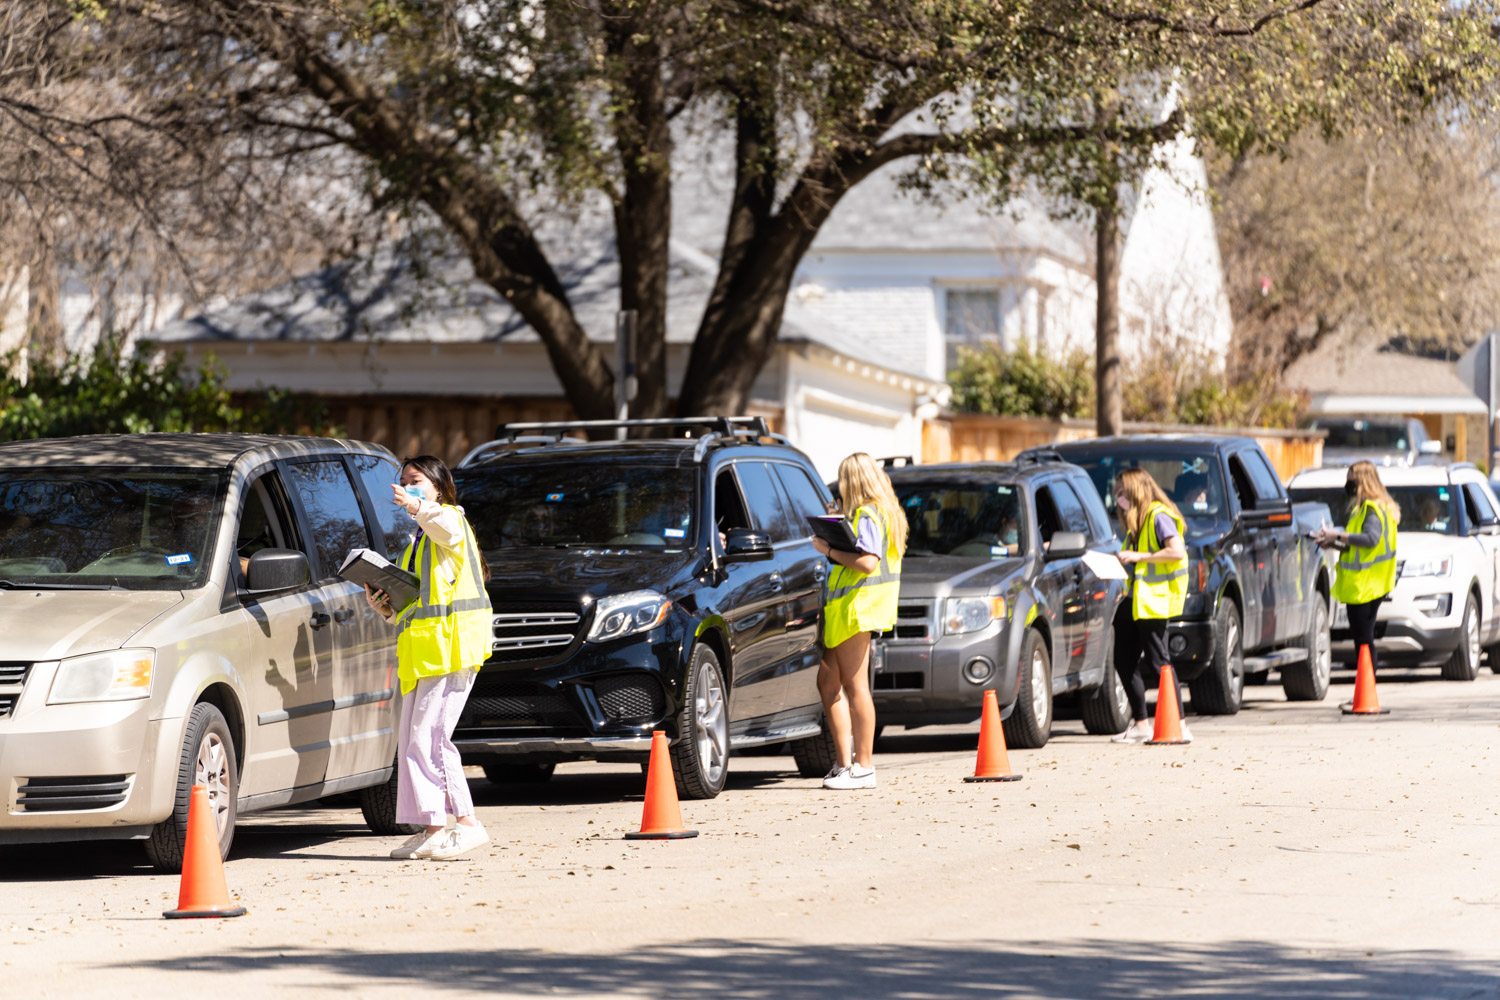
877	656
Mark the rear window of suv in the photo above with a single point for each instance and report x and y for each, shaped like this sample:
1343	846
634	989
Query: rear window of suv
106	528
565	504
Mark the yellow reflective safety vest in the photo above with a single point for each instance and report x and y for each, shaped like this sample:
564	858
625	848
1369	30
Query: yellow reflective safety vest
860	603
448	627
1367	574
1159	589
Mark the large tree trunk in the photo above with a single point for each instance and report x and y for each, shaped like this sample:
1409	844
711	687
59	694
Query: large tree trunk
1108	408
44	329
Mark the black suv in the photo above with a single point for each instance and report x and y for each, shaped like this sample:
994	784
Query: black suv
665	583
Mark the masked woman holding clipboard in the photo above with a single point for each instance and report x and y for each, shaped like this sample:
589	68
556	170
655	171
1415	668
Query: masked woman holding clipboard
861	599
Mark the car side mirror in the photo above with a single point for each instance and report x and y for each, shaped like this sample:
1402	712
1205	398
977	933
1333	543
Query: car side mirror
1067	545
746	545
1430	448
274	570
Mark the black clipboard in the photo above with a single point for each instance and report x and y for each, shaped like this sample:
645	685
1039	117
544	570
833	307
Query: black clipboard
836	531
368	567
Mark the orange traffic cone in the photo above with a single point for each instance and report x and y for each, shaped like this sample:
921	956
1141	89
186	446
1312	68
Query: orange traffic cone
993	763
1168	731
203	892
661	819
1366	701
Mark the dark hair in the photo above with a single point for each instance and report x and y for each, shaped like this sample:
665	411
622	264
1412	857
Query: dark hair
436	471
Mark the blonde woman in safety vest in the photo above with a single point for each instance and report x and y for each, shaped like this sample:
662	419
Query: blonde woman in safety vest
1156	555
861	599
1367	544
444	638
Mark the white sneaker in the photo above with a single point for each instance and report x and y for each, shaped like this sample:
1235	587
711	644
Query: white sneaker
851	777
460	840
1187	736
418	845
1132	734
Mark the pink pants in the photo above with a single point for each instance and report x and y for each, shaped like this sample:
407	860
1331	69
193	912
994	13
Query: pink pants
432	782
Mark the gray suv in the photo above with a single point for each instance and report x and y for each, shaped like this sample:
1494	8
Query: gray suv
171	616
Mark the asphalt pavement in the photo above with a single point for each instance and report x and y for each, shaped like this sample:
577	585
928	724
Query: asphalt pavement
1289	852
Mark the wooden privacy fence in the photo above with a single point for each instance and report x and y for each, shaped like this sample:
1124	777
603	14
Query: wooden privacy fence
448	427
974	437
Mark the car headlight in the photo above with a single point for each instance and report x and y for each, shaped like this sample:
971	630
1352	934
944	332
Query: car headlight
627	614
970	614
1427	567
119	675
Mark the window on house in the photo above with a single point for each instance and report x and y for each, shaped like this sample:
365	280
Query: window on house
971	318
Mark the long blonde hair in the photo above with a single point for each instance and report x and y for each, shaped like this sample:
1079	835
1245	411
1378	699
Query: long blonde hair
862	482
1367	486
1142	489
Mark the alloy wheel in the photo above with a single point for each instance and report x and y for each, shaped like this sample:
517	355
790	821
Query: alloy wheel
711	721
1041	687
1323	651
1236	659
211	770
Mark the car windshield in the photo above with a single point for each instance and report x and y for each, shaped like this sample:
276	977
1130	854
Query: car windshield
969	519
1363	435
1193	481
108	528
564	504
1423	508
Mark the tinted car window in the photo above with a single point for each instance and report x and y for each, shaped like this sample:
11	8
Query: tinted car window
552	504
1423	508
108	527
982	520
335	519
1262	479
1071	509
1194	481
378	474
806	500
1364	435
766	507
1481	511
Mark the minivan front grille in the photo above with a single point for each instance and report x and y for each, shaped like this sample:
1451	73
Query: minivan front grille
523	631
72	794
630	698
12	679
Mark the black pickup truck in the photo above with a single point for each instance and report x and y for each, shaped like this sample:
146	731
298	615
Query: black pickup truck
1257	586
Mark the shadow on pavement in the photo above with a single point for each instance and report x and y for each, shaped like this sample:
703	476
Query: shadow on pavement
737	970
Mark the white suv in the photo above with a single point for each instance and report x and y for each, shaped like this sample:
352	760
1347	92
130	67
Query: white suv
1444	609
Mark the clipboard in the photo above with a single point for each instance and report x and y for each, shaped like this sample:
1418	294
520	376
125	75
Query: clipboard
366	566
836	531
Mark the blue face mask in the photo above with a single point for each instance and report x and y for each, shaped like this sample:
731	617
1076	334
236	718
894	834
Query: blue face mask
415	491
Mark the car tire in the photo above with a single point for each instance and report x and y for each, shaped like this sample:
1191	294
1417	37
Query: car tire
1463	665
519	774
700	754
1220	689
1106	710
1308	680
378	805
816	755
1492	653
1030	723
207	758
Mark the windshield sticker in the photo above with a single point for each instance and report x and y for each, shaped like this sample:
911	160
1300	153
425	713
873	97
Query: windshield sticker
674	532
914	501
999	550
1200	505
554	497
180	559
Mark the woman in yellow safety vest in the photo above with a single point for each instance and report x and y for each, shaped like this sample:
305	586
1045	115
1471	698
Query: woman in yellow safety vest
444	638
1367	560
861	599
1154	546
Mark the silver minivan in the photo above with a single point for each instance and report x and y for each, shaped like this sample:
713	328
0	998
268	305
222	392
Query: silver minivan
170	616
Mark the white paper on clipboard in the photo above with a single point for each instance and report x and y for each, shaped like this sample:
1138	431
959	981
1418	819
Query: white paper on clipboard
1105	566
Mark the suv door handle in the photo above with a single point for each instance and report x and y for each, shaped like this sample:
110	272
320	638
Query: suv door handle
820	572
776	580
319	619
343	614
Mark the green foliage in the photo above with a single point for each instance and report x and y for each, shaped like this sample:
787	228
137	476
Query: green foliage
1022	383
1167	387
107	392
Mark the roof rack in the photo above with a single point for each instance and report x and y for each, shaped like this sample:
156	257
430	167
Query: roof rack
492	447
889	461
1036	456
721	425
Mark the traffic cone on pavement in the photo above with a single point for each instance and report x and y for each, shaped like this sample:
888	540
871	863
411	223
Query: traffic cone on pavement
1366	701
993	763
203	892
1168	731
661	819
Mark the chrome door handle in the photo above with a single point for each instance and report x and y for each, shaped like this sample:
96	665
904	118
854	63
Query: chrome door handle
776	581
319	619
343	614
821	572
1236	549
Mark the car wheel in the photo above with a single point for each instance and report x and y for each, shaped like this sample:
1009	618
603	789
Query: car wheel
1308	680
378	804
1106	709
1030	722
519	774
1463	665
207	759
816	755
700	754
1220	689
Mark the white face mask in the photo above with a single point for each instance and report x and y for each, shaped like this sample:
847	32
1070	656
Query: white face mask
1122	502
